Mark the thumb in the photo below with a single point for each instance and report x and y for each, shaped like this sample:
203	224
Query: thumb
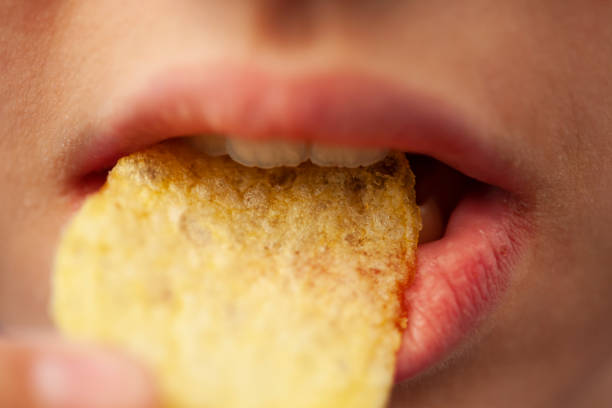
38	373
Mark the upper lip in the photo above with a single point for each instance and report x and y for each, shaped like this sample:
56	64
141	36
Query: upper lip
452	289
342	108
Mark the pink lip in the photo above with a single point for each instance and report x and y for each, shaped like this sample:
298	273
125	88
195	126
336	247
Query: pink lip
458	279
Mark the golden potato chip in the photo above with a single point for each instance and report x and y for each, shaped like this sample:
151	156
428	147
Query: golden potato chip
244	287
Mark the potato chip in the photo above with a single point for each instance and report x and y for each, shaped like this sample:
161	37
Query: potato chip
243	287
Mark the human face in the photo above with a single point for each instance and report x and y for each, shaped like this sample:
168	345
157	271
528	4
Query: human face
515	94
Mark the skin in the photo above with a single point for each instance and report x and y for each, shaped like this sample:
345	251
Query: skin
534	75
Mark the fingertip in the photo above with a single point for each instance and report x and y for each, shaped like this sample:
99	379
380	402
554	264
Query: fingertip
96	380
62	376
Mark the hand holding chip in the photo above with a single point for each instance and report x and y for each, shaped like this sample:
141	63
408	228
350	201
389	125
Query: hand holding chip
47	373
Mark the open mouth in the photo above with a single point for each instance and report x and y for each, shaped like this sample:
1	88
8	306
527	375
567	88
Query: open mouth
474	221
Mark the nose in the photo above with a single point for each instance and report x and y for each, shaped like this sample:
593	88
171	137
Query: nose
287	22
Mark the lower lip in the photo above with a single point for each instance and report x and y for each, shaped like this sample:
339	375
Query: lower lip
460	278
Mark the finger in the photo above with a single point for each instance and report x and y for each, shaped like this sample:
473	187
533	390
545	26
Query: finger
37	374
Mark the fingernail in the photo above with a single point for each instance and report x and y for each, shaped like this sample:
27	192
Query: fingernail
100	380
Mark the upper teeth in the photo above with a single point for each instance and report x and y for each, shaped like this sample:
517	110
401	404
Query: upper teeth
343	157
274	153
213	145
267	154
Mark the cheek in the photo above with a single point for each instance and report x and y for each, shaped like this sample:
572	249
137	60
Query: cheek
31	128
25	265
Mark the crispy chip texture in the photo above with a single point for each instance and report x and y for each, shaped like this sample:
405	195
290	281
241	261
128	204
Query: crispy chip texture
243	287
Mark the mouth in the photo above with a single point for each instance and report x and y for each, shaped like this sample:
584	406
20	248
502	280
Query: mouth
475	217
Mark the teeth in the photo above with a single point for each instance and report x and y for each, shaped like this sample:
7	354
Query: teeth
345	157
433	224
213	145
274	153
267	154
